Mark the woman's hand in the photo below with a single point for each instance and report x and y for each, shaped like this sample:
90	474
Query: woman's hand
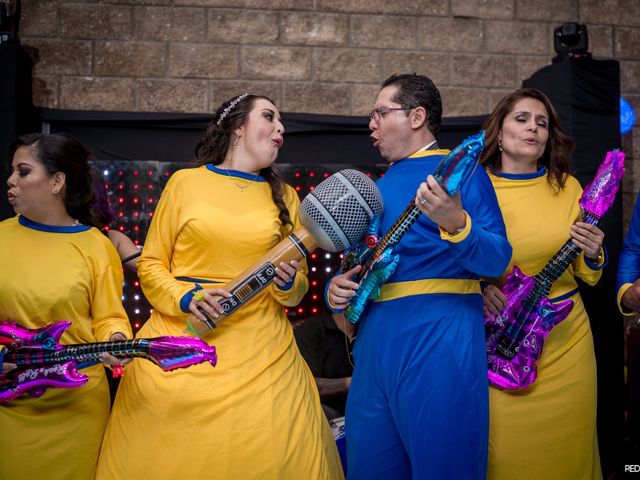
588	237
285	272
205	302
435	203
110	360
7	367
493	301
342	289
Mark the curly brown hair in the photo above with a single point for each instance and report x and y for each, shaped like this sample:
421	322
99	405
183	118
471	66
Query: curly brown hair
216	141
559	146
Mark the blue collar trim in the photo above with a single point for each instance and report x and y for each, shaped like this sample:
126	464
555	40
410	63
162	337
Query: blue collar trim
522	176
24	221
235	173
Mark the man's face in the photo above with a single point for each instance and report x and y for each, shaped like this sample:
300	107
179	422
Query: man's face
391	130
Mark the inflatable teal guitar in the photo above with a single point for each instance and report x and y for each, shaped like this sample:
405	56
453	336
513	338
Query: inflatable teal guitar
377	258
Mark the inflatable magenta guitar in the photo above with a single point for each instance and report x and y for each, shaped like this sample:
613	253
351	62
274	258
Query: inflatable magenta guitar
515	337
377	258
43	363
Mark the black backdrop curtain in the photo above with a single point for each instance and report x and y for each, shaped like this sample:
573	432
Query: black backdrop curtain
309	139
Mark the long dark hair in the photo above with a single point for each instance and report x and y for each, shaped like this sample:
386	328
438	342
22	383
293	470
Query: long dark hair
102	206
216	141
557	151
59	152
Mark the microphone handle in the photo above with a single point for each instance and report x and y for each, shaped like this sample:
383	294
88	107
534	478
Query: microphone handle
244	287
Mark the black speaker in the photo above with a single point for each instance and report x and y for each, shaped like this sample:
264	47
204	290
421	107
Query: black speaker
586	93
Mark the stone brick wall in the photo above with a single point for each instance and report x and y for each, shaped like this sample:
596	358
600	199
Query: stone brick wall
316	56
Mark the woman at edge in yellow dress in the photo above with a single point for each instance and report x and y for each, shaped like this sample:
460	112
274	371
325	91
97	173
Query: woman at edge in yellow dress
547	430
57	268
257	414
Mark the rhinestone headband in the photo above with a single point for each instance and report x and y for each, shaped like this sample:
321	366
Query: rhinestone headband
230	107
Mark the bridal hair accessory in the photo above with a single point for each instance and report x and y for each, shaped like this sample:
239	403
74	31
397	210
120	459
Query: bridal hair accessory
230	107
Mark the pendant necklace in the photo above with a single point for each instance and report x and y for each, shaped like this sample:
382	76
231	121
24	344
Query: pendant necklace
239	185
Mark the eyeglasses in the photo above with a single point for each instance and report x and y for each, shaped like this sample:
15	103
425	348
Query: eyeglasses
377	113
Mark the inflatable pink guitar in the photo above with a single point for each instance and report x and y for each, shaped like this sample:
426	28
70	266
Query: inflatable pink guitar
515	337
44	363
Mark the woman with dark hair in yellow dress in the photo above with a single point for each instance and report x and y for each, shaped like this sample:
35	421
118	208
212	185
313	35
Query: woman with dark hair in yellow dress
55	267
257	414
547	430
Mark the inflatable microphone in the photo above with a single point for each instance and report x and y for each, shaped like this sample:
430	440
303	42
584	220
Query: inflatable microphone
335	215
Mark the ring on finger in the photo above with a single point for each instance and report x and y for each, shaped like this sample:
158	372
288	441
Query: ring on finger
423	201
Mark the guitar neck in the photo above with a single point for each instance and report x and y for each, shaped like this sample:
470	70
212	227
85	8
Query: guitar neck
81	352
563	258
393	236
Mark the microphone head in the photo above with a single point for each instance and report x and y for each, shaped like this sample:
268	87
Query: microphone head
338	211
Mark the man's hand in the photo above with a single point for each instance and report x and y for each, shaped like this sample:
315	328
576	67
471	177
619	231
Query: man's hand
435	203
342	289
631	298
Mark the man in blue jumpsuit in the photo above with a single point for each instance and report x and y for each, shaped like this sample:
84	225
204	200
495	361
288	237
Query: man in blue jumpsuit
418	403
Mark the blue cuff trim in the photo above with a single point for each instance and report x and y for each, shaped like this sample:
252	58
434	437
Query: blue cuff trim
326	300
186	299
288	285
594	266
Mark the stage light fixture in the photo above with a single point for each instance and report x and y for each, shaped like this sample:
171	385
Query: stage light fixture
571	40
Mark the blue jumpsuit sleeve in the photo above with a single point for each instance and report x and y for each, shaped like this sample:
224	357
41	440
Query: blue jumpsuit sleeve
485	251
629	263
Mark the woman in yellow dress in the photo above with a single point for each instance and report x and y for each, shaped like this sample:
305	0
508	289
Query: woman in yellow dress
57	268
257	414
547	430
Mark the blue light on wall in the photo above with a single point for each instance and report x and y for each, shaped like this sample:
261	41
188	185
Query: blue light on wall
627	116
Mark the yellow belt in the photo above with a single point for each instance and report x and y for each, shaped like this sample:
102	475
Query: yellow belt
391	291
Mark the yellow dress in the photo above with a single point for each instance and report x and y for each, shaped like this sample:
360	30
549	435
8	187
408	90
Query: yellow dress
256	415
547	431
52	274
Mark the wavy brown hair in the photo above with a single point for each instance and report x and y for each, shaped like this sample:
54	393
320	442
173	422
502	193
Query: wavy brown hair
557	151
216	141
